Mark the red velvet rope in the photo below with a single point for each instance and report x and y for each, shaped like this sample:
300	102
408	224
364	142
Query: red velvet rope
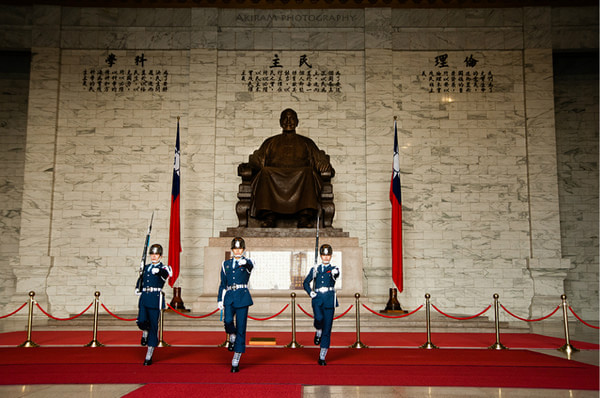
344	313
116	316
581	320
269	317
337	317
459	318
64	319
15	311
299	306
190	316
393	316
531	320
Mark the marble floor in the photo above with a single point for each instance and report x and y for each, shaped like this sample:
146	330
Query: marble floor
577	333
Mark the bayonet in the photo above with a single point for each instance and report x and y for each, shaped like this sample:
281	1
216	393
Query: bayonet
314	270
140	281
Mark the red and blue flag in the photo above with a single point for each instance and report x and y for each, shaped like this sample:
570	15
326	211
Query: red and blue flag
174	225
396	200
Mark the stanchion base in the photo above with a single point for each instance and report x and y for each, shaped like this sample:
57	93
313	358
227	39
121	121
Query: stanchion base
177	302
497	346
177	309
429	345
568	348
94	343
294	344
358	344
28	343
163	344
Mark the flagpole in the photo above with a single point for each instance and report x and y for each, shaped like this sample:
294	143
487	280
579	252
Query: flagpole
396	228
175	227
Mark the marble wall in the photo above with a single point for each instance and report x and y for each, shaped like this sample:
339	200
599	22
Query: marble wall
14	89
478	160
464	176
576	99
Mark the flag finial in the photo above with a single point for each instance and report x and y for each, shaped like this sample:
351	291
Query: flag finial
395	117
178	118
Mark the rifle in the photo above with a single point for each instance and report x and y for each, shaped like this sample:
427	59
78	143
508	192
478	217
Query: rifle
140	280
316	252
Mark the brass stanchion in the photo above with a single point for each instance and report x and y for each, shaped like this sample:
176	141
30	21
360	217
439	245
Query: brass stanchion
358	343
161	342
95	342
567	347
294	343
497	345
28	342
428	344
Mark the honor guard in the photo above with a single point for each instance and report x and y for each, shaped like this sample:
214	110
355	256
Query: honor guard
320	286
149	288
234	298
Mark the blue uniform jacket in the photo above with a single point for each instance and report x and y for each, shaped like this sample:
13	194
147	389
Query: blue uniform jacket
152	299
235	275
323	277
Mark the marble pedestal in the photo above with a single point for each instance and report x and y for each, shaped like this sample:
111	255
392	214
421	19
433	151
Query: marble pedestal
270	301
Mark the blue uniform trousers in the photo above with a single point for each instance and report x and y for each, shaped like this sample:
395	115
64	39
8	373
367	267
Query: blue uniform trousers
148	320
239	327
323	320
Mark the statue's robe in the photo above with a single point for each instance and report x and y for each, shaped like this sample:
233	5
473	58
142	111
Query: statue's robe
288	178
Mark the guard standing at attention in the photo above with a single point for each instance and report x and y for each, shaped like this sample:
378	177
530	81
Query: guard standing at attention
149	288
324	299
234	297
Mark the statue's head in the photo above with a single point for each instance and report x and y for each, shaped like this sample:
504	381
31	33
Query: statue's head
288	119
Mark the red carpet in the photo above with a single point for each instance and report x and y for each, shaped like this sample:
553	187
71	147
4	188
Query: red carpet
339	339
281	366
217	390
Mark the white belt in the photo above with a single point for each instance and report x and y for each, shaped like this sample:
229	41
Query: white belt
235	287
151	289
325	289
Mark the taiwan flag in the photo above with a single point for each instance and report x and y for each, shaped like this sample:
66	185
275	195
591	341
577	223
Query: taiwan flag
174	225
396	200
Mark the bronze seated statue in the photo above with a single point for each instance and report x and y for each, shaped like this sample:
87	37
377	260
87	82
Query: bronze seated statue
286	182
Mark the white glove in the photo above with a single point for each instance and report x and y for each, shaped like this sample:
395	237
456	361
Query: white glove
313	294
220	305
137	291
155	271
335	273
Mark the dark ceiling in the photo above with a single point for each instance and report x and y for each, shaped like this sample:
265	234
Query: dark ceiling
304	4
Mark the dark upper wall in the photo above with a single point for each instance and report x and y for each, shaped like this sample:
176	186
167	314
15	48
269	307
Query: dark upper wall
306	4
